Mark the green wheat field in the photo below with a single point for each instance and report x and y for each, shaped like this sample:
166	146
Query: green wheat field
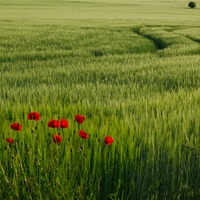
131	68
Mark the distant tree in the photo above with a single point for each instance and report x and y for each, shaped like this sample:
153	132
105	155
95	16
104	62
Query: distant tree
192	4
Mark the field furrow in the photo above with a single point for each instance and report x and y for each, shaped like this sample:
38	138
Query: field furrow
170	43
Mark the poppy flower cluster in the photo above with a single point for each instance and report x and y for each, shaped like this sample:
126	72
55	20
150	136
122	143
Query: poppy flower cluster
63	123
58	124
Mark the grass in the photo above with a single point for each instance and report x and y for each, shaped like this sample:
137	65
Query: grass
141	12
134	76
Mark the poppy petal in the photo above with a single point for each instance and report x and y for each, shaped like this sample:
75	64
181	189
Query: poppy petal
108	140
83	134
54	123
9	140
33	116
64	123
16	126
79	118
57	139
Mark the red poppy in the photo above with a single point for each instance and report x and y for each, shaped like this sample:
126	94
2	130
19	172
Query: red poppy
64	123
108	140
9	140
16	126
54	123
83	134
33	116
79	118
57	139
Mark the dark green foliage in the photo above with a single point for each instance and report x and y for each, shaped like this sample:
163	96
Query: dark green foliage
192	4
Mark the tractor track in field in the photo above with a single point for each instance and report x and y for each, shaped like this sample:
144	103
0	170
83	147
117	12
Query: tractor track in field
163	43
159	43
191	38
